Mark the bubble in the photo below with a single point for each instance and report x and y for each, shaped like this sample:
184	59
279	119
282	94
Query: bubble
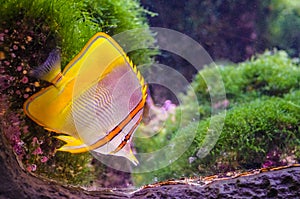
168	77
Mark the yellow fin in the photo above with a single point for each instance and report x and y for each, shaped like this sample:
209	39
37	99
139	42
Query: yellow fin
132	158
73	145
127	153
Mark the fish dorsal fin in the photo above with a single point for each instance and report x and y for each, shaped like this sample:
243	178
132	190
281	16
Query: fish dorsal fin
139	77
50	70
136	71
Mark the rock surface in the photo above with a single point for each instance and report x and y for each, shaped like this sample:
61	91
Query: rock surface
18	183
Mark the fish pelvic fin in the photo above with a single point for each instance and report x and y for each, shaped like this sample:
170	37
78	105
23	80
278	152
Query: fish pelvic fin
50	70
73	145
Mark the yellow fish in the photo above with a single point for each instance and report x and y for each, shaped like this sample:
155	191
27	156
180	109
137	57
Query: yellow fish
96	102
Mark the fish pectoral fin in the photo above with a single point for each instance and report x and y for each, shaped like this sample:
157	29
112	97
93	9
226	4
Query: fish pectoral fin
73	145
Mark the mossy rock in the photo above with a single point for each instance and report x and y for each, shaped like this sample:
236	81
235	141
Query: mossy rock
270	74
262	119
29	30
283	25
72	23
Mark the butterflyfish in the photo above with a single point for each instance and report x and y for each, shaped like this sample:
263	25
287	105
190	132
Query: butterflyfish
95	103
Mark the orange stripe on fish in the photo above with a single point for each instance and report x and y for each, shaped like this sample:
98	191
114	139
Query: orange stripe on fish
119	127
127	137
112	134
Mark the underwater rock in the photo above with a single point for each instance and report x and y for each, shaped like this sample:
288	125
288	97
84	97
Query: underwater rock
16	182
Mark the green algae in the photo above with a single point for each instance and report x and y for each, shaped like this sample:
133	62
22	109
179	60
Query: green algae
30	30
261	126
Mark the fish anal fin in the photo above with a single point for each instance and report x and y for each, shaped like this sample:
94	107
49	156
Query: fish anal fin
73	145
50	70
127	153
132	158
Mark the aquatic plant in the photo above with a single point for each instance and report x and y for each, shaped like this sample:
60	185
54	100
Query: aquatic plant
29	30
71	23
34	146
284	23
270	74
261	126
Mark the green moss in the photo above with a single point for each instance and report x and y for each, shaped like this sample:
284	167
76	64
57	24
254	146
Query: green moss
251	131
293	97
69	169
36	27
269	74
263	116
73	23
283	26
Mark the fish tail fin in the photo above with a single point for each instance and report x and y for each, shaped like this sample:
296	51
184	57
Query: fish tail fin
50	70
73	145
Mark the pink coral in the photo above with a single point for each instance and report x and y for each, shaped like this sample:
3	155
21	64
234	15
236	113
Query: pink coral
34	141
37	151
222	104
19	68
24	80
7	63
25	129
169	106
33	166
28	168
4	81
15	47
44	159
